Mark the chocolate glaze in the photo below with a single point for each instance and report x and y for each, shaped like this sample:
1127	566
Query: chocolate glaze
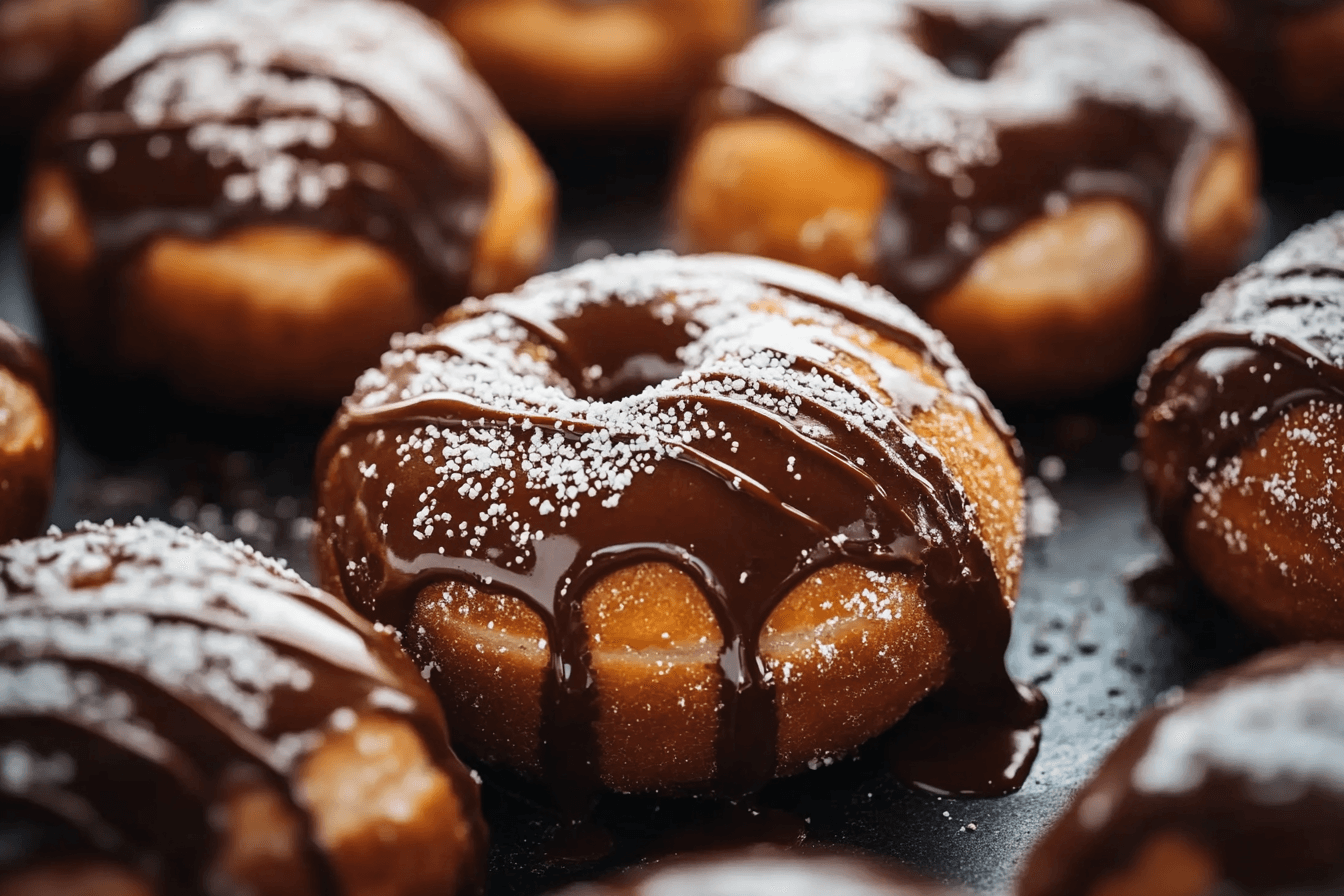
21	357
764	871
355	117
1247	767
144	670
1267	340
641	409
989	115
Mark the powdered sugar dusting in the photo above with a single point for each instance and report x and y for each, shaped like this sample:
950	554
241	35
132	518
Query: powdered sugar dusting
745	342
1283	733
1295	293
398	55
854	67
96	622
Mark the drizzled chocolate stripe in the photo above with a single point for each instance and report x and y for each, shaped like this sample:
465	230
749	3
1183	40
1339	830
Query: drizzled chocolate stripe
144	670
762	459
987	116
1267	340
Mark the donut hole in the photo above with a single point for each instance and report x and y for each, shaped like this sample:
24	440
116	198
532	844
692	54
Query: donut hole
967	50
618	350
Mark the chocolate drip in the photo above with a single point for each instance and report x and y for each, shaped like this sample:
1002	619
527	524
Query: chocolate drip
986	118
1246	770
1267	340
354	117
765	460
145	671
21	357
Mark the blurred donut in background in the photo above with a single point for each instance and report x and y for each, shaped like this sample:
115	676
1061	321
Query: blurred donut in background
1053	183
607	65
45	45
183	716
27	436
1286	58
246	198
1233	786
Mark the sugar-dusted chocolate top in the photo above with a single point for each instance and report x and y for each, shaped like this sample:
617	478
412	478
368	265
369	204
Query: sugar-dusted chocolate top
740	419
1247	767
990	114
1269	339
146	669
352	116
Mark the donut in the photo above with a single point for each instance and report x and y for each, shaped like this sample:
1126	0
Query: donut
179	715
1232	787
574	66
45	45
685	524
246	198
1241	423
764	871
27	436
1283	58
1051	183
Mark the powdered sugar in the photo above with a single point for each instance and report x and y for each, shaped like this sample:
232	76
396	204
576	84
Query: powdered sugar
854	67
1283	733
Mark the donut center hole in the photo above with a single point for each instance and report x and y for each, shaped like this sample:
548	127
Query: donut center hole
967	51
617	351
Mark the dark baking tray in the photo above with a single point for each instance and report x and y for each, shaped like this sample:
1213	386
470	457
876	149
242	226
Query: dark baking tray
1104	624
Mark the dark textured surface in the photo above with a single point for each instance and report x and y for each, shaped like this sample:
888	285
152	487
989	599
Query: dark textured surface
1102	626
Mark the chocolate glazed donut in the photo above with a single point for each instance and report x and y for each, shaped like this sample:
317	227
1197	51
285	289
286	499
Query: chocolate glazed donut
699	415
27	436
344	142
1052	184
183	716
1232	787
1240	429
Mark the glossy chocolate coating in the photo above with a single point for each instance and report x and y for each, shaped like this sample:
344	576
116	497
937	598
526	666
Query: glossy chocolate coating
987	115
665	418
1267	340
1247	767
355	117
145	669
763	871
